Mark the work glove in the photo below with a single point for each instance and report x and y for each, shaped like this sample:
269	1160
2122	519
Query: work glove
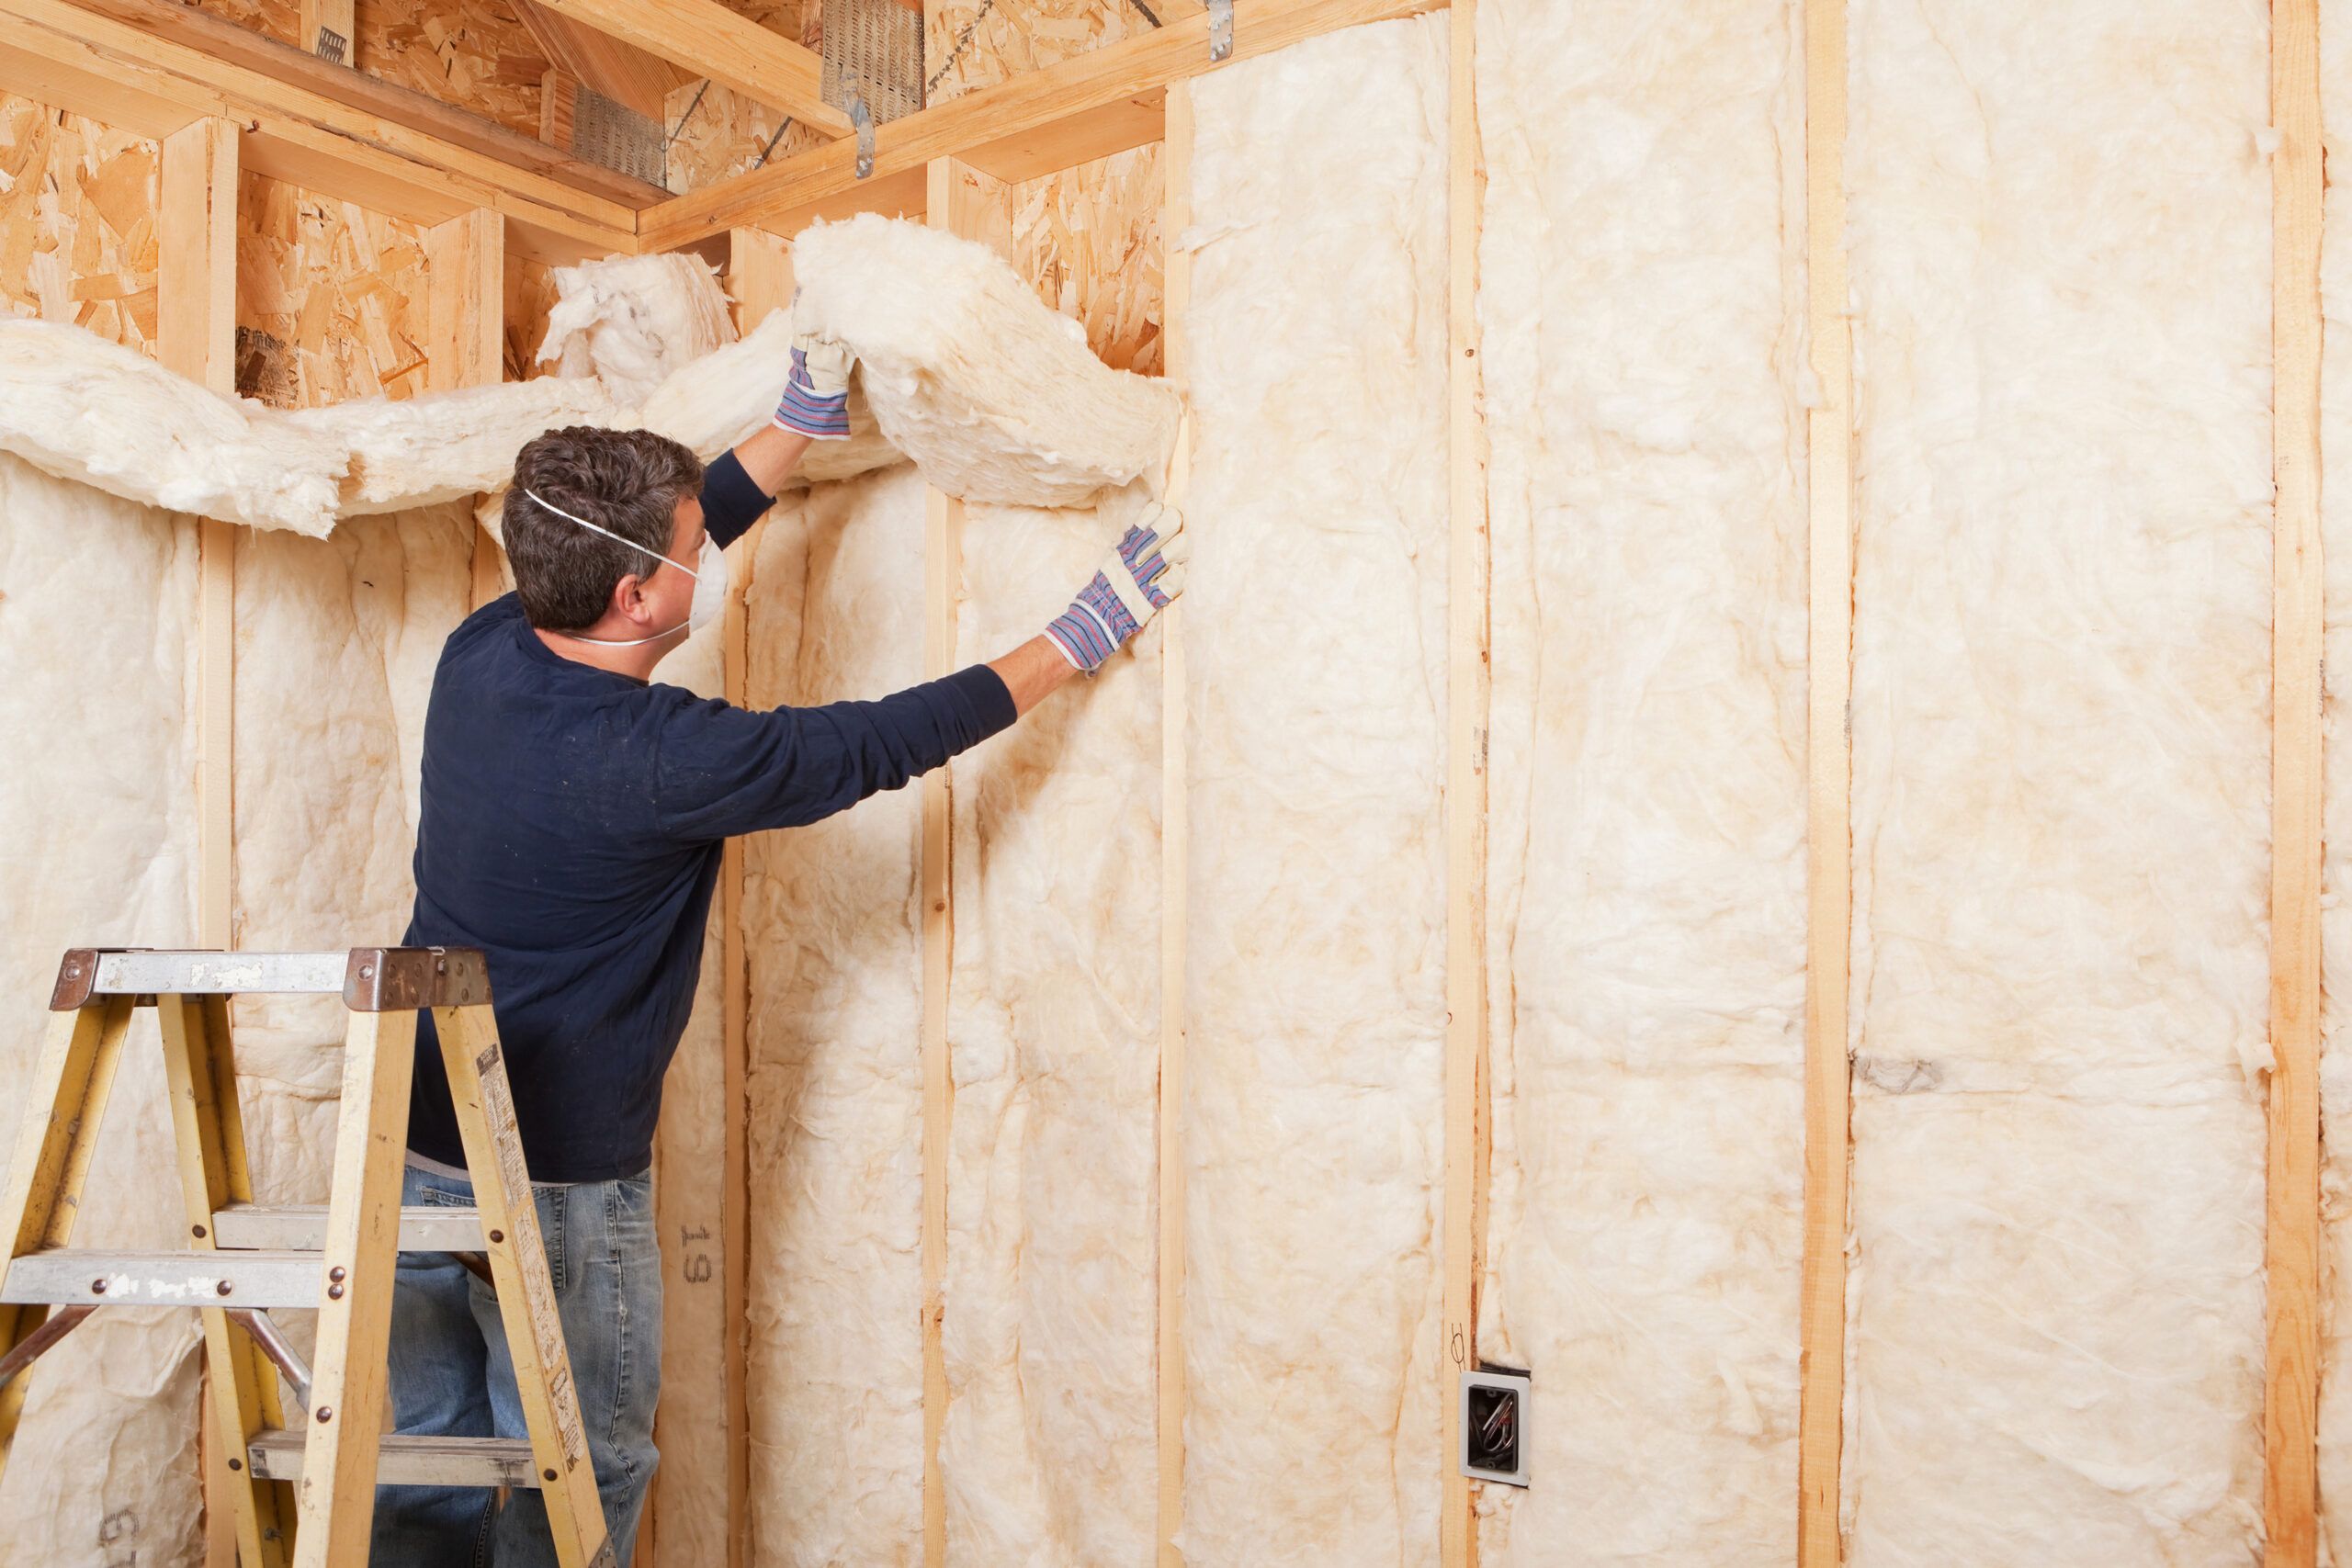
815	396
1141	575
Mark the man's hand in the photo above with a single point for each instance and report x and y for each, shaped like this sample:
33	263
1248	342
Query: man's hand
1141	574
816	397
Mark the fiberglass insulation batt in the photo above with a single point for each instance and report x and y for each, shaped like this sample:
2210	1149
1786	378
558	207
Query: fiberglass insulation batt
97	828
1315	637
835	943
1642	301
1049	1452
2059	226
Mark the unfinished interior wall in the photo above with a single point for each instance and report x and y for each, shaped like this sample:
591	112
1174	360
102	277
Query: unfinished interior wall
835	947
331	298
1642	301
2060	223
1315	637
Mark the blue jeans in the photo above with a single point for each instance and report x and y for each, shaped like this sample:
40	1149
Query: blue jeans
452	1375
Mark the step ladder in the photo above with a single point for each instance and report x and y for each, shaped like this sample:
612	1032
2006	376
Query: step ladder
302	1494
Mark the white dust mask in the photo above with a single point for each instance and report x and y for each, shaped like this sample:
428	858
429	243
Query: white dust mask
709	573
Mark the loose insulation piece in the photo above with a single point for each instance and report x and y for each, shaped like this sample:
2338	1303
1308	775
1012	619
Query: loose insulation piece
631	321
2061	221
1316	645
835	944
1642	277
1049	1451
996	397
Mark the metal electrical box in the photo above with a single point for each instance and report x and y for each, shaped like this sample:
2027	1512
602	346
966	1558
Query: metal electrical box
1494	1425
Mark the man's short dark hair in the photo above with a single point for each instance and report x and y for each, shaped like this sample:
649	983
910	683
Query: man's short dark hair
628	480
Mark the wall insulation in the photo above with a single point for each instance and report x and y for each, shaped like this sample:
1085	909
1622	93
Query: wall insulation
1050	1452
1316	645
1642	301
835	945
2336	907
2060	221
97	825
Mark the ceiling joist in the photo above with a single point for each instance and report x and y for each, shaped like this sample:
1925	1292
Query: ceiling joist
708	39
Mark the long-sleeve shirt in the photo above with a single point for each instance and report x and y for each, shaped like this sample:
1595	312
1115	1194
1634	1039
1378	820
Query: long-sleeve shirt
571	828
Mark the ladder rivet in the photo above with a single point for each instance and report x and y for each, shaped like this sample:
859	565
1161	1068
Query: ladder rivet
336	1274
326	1413
335	1292
547	1475
497	1236
223	1288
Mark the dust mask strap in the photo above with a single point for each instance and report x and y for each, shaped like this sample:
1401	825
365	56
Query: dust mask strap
592	528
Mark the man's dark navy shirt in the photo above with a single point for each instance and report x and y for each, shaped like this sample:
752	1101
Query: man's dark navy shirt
570	829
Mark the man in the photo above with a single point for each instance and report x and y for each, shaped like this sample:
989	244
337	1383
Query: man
573	816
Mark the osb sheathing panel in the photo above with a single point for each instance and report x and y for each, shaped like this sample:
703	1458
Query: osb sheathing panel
973	43
530	295
1089	240
77	222
331	298
476	54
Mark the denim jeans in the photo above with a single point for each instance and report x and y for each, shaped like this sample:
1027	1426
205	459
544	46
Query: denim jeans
452	1375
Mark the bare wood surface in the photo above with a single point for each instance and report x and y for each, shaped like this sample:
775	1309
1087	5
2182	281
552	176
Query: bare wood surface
1829	785
2290	1402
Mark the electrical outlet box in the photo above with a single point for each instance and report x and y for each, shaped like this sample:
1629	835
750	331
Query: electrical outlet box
1494	1425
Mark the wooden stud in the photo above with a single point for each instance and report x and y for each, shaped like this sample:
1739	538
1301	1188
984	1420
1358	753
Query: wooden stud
465	282
760	276
967	202
2290	1403
336	1499
1467	1146
80	56
195	335
241	1386
1829	765
327	28
709	38
1176	284
518	1267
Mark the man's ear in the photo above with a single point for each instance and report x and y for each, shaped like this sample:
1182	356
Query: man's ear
628	593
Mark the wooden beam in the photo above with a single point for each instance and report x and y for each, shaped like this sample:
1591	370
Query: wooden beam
964	201
87	60
328	29
465	287
217	38
2290	1403
1085	107
1828	795
1468	1148
623	73
1175	842
760	276
708	39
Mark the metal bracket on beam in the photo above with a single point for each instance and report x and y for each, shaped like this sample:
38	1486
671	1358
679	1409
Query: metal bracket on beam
1220	30
862	120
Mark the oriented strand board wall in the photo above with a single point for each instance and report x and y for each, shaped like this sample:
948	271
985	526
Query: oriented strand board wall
331	300
476	54
1641	275
2061	261
77	222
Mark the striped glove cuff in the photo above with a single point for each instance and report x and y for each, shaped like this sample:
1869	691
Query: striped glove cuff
1093	628
824	416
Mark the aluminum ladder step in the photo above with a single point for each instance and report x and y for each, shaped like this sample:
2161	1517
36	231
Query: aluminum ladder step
276	1455
303	1227
77	1277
